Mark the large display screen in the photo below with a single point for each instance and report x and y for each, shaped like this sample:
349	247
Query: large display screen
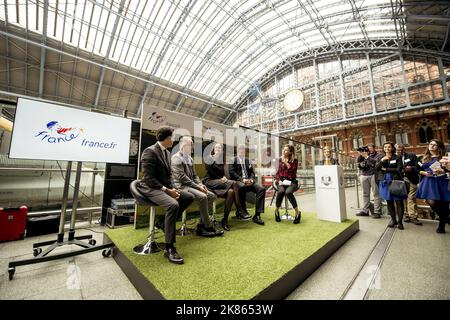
48	131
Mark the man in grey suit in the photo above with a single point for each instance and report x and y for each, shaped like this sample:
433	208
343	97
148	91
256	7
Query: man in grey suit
184	178
157	186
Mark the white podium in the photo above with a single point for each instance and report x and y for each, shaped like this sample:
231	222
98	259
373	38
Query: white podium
330	193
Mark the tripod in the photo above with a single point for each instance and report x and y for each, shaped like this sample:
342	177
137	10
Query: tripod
41	256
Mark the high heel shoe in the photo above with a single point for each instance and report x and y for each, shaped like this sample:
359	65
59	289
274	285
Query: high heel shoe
298	217
277	216
225	225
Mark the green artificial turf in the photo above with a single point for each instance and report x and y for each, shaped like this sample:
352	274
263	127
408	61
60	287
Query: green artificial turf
239	265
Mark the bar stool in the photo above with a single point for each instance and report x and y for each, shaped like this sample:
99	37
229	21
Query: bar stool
150	246
286	215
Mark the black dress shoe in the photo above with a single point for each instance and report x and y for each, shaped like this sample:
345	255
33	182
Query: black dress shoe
392	223
204	232
400	226
298	217
257	219
217	233
225	225
243	216
172	255
362	214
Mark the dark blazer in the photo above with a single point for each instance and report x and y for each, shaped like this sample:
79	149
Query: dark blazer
156	169
214	170
393	166
333	162
235	169
410	160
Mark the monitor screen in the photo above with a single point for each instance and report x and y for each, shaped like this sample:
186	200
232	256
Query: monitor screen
47	131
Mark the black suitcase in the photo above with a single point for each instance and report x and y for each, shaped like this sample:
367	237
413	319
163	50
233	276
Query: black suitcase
37	226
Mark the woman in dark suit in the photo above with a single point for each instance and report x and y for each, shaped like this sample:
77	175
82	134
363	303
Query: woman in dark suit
216	181
391	167
286	178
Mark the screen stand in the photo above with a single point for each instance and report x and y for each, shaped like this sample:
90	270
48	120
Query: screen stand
41	256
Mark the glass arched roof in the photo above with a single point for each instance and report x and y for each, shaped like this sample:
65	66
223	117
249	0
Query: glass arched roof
217	47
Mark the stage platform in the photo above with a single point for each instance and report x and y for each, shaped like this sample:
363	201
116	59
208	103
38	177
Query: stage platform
248	262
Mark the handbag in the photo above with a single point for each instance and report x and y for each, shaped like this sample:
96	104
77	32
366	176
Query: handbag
398	188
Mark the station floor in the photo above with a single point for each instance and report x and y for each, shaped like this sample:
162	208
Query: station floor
377	263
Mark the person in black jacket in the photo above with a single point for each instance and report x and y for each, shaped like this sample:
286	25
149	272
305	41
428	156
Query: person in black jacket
327	159
241	170
391	167
157	186
411	177
217	182
369	180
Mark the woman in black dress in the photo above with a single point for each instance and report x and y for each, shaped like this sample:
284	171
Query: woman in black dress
216	181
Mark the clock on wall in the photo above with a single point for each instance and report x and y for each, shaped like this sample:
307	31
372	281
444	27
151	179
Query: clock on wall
134	147
293	100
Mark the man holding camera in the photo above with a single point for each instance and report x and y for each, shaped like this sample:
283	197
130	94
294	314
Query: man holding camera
367	159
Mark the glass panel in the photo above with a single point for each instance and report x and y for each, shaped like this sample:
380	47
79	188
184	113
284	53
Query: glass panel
330	92
357	85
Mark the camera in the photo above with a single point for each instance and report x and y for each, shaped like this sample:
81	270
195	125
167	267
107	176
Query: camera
363	149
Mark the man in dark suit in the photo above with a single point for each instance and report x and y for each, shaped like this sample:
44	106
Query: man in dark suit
157	186
409	165
241	170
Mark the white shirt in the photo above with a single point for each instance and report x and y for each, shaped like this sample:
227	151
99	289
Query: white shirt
244	171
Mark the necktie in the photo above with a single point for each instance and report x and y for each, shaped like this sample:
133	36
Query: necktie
244	170
166	154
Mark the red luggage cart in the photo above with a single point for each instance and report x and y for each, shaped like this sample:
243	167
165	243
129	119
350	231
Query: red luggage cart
13	223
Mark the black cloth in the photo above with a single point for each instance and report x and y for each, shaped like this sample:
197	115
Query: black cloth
237	174
214	172
289	192
156	167
392	166
235	169
367	166
410	160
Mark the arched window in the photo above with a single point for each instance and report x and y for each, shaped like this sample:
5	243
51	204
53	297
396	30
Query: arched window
357	141
401	137
425	133
340	144
380	139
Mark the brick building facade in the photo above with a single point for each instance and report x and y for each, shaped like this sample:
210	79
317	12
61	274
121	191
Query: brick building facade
414	129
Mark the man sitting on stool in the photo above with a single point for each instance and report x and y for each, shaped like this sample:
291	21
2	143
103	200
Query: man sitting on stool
157	186
185	178
241	170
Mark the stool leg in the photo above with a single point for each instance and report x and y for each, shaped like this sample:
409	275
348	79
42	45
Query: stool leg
151	246
151	224
183	230
286	215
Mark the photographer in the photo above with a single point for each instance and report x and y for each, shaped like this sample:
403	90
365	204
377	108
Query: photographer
367	160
